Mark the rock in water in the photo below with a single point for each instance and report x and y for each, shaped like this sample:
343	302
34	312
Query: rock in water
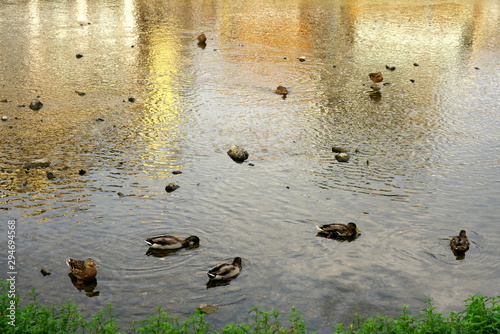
342	157
36	104
171	187
37	163
237	153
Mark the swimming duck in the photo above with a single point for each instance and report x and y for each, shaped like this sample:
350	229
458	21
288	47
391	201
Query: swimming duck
460	243
225	271
83	270
165	242
339	230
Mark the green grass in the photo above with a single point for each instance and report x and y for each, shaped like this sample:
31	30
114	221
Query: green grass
481	315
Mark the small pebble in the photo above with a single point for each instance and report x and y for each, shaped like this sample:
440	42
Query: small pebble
79	55
131	99
342	157
302	59
175	172
35	104
412	81
171	187
45	272
415	64
5	118
50	175
390	68
82	172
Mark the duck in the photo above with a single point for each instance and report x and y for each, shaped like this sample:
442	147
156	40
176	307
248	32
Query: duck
225	271
170	242
282	90
339	230
83	270
460	243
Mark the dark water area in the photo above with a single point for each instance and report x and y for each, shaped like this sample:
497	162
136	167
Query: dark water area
424	152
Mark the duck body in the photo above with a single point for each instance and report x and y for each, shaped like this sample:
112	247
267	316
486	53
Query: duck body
339	230
83	270
377	78
460	243
202	38
170	242
225	271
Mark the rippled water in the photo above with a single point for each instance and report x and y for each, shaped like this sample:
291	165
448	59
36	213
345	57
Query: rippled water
424	165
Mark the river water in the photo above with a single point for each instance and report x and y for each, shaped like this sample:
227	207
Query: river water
424	152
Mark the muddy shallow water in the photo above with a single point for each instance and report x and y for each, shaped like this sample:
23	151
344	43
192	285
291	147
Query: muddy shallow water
424	164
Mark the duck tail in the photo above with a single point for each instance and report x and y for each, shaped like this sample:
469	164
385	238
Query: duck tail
211	276
149	242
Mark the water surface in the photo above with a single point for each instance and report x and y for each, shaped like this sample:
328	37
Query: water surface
424	163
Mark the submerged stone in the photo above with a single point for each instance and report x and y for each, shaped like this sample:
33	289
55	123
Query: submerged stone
38	163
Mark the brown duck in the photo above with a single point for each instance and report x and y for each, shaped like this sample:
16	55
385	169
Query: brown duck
339	230
460	243
83	270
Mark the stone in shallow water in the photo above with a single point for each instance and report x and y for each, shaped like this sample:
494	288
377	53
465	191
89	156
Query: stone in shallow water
171	187
37	163
208	309
237	153
342	157
36	104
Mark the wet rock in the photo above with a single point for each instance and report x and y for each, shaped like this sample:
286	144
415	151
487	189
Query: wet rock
120	194
390	68
79	55
99	119
202	38
50	175
45	272
415	64
302	59
477	68
82	172
175	172
412	81
38	163
281	90
237	153
339	149
208	309
80	93
171	187
342	157
131	99
4	100
36	104
5	118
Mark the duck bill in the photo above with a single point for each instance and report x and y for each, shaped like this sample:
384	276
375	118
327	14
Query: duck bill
357	229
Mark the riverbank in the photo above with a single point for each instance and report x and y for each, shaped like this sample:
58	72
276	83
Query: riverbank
480	315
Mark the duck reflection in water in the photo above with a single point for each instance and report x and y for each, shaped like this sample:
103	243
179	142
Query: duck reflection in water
87	286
